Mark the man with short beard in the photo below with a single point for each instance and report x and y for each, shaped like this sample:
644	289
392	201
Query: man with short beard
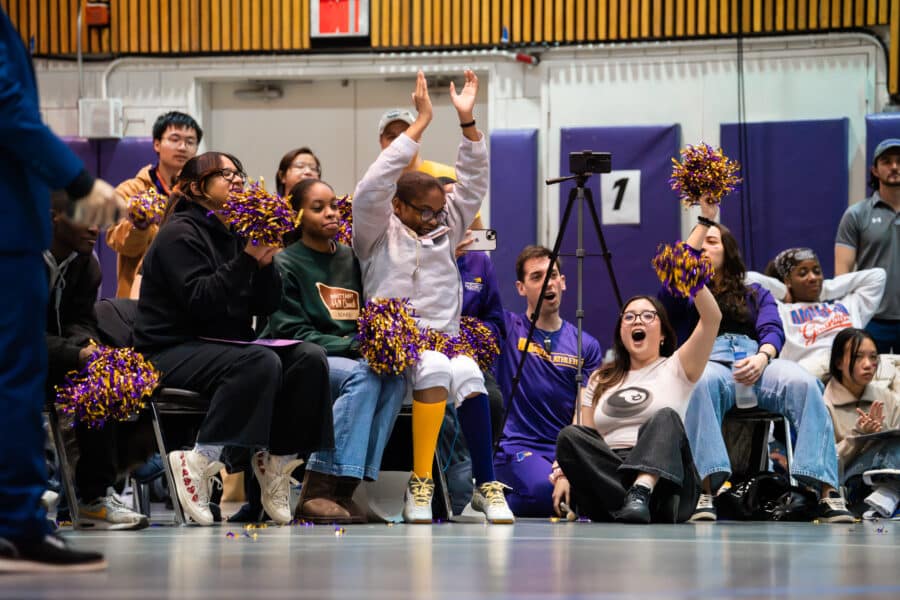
869	236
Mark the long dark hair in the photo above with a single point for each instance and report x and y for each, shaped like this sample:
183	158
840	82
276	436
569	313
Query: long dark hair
197	170
299	193
855	337
612	373
728	284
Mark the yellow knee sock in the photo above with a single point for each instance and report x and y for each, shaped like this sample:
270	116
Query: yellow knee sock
426	425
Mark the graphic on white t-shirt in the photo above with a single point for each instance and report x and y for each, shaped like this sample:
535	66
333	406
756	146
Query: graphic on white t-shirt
627	402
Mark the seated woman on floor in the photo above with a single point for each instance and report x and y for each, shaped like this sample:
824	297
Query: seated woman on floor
751	325
201	287
321	304
859	408
635	406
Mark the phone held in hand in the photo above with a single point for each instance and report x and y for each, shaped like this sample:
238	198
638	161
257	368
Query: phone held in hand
483	239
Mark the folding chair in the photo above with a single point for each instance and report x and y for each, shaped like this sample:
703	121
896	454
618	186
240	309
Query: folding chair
761	434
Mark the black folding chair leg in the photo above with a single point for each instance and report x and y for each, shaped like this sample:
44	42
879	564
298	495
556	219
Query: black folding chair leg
64	466
170	477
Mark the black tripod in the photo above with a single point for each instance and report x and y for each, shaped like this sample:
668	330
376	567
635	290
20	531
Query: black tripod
578	195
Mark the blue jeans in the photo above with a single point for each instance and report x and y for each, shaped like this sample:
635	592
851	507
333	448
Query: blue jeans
365	408
883	454
783	388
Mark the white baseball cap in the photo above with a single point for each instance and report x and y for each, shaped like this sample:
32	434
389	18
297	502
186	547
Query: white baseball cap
395	114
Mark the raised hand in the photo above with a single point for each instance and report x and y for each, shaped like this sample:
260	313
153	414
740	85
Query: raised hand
464	101
422	102
708	209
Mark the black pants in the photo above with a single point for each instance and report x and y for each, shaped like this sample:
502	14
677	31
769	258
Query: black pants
495	399
600	477
260	397
104	454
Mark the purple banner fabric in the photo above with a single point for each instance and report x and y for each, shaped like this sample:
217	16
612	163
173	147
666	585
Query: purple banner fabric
514	155
795	187
646	149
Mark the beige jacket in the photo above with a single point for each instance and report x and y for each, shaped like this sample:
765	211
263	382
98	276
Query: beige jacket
129	242
842	405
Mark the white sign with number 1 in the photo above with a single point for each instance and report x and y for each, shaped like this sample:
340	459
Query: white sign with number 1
620	198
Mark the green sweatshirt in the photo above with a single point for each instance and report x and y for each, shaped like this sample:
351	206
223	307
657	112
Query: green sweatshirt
321	299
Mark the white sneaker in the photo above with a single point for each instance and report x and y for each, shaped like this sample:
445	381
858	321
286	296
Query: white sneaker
417	500
192	473
109	513
490	499
877	477
705	510
274	477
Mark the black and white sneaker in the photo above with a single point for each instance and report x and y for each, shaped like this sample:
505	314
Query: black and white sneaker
48	554
833	509
705	510
636	508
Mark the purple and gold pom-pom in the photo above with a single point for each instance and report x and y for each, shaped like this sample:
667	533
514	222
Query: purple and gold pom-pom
146	208
113	386
681	270
260	217
477	341
703	171
345	223
389	338
432	339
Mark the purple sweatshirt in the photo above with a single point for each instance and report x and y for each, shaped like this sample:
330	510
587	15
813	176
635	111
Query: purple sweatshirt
764	322
481	296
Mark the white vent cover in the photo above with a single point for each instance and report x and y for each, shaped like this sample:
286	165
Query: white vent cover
100	117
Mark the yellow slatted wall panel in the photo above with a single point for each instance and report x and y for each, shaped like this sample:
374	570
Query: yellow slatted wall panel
214	26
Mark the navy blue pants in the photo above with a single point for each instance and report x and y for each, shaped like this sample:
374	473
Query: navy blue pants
23	371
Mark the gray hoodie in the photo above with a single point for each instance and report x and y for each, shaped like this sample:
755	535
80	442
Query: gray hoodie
397	263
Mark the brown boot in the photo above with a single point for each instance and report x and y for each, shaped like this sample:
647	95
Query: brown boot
344	494
317	500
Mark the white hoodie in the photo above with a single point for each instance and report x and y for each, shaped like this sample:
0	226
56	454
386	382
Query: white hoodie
397	263
848	300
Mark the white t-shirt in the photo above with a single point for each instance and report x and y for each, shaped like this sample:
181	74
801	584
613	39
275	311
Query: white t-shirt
626	406
848	300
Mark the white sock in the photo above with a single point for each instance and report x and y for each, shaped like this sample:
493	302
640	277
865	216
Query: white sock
645	480
884	500
211	451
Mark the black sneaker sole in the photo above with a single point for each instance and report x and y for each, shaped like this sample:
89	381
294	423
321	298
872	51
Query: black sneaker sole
22	565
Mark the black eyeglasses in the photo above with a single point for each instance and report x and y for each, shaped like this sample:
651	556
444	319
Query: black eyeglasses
427	214
645	316
231	174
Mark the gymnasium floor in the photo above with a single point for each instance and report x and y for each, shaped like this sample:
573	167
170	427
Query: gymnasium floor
534	559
